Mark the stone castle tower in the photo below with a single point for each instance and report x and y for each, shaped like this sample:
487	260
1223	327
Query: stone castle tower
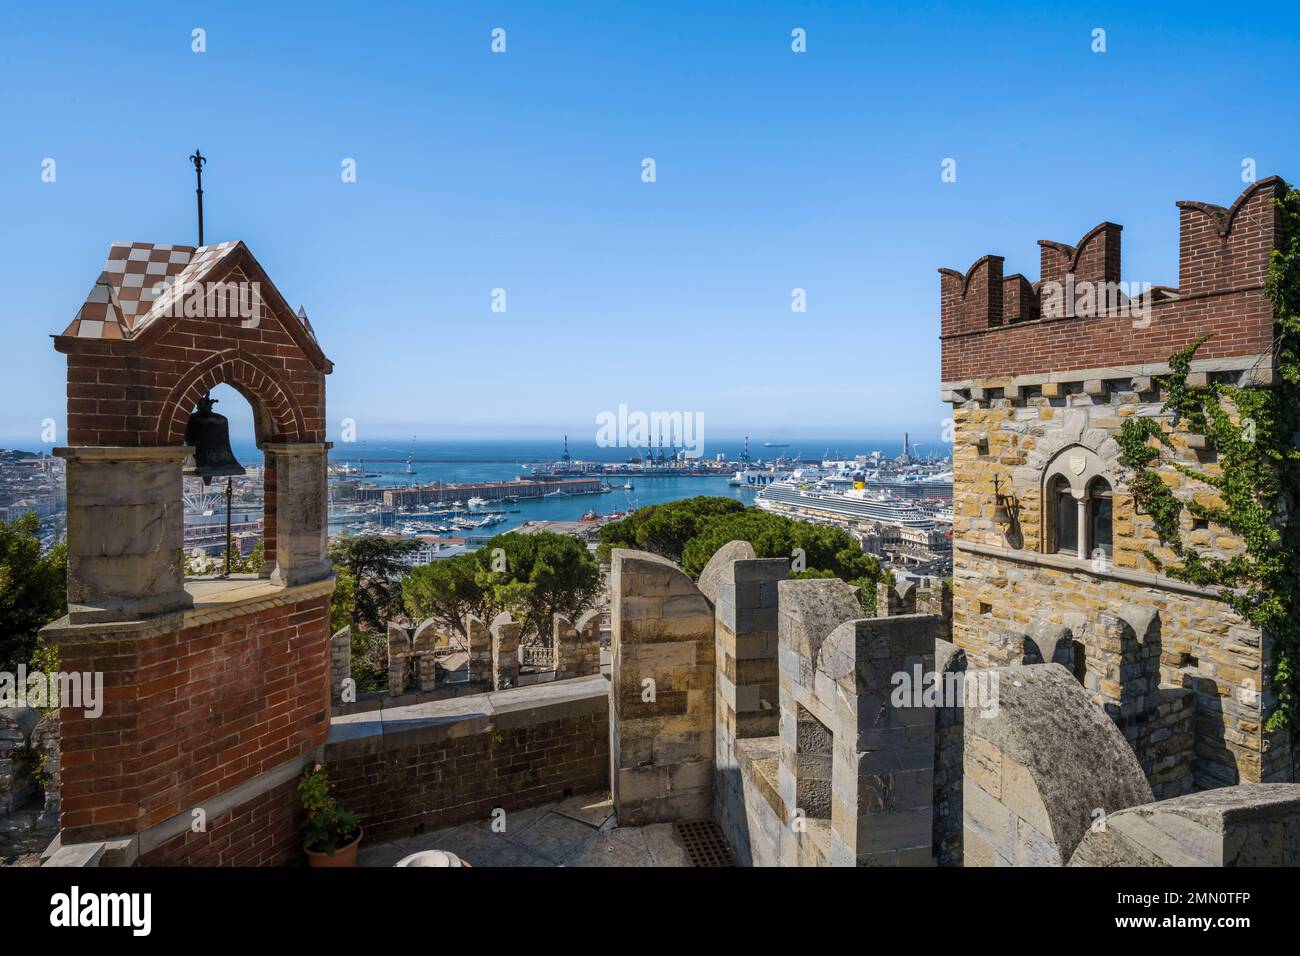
1049	557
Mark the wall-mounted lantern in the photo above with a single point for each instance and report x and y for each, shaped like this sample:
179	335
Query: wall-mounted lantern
1006	509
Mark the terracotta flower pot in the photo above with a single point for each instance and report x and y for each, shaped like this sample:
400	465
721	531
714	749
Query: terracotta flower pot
343	856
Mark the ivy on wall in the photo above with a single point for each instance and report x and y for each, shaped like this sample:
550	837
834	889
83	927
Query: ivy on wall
1254	429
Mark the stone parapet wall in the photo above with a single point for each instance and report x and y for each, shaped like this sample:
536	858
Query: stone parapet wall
1041	770
1163	738
418	768
1248	825
1199	645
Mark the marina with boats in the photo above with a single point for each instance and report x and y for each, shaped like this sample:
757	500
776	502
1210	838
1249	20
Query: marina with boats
899	507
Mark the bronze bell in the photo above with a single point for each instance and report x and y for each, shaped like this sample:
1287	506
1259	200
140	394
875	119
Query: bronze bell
209	434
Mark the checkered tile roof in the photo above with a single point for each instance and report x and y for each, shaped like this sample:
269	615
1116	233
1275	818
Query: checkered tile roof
141	282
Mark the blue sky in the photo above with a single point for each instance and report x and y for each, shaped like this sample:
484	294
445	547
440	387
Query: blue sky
522	171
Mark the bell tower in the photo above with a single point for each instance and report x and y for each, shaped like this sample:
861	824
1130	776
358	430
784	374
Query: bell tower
216	690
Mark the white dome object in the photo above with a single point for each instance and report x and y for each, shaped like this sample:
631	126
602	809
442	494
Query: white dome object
430	858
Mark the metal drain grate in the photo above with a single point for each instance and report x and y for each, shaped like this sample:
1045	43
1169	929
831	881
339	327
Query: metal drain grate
705	844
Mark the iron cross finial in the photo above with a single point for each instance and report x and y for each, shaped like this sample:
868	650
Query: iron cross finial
198	160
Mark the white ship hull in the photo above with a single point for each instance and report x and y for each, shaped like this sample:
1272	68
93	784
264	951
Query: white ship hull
754	478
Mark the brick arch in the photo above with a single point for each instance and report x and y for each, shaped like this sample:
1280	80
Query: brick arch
277	415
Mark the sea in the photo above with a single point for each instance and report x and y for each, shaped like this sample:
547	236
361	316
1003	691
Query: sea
474	460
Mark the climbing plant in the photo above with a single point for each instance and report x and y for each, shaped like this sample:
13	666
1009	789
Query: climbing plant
1256	480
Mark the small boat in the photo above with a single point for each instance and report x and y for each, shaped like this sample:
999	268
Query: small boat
477	502
555	494
628	486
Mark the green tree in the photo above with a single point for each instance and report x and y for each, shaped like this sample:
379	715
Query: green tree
33	588
692	530
343	603
252	564
827	552
545	574
665	529
377	566
450	589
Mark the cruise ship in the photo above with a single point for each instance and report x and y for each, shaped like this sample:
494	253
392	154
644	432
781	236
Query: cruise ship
913	485
855	503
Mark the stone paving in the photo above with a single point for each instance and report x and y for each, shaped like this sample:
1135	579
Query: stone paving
579	831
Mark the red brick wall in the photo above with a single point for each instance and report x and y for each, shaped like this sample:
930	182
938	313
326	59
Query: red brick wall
265	831
190	714
1223	256
436	784
140	392
1242	324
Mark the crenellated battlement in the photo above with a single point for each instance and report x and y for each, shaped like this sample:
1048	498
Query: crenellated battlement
1080	315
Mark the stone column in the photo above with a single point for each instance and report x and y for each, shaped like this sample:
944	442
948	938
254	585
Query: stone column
577	646
563	636
399	658
585	654
748	674
809	611
936	598
662	733
125	532
426	675
480	651
895	599
424	643
505	651
301	512
1083	529
882	807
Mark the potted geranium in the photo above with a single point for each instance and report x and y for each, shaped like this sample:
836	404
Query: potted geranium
331	835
